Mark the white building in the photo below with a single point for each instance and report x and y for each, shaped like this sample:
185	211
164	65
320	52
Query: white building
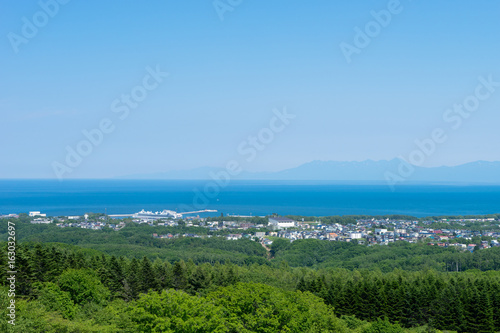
260	234
41	221
37	213
281	222
355	235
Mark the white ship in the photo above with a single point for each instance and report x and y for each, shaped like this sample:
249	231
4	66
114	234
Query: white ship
158	215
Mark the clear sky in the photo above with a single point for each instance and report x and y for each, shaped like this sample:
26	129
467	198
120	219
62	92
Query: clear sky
61	73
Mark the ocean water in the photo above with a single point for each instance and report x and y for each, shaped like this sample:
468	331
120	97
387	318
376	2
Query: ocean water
75	197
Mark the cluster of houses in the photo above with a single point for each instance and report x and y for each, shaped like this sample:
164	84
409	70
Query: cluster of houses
368	232
383	232
169	236
7	216
86	223
92	225
365	231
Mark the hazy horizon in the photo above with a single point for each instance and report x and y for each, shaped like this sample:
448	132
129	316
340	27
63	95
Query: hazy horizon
366	175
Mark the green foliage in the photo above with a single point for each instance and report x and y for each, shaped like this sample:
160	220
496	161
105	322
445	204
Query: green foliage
237	308
278	245
383	326
83	286
262	308
176	311
55	299
353	323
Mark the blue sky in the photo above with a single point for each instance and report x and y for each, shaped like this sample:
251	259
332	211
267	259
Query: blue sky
226	77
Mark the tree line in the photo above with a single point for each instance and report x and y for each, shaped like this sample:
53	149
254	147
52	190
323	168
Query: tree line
397	255
463	302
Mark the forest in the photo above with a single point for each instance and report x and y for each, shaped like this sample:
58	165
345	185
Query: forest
76	280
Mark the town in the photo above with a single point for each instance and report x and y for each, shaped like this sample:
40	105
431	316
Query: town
368	231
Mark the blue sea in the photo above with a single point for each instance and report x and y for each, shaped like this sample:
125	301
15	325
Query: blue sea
75	197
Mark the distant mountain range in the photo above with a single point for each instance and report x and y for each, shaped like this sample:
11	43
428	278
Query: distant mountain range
369	171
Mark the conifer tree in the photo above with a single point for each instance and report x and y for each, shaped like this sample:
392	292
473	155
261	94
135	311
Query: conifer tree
81	261
25	275
469	298
495	303
378	297
231	274
56	262
449	311
484	320
346	303
200	279
132	280
160	273
148	276
41	265
168	282
301	285
180	280
71	261
116	277
103	270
